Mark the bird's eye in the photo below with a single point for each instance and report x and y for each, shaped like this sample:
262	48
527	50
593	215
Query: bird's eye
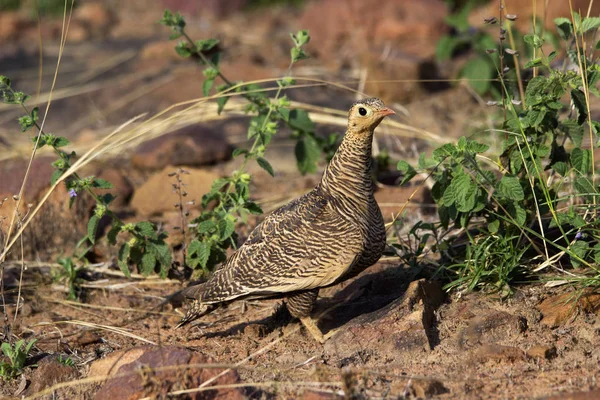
362	111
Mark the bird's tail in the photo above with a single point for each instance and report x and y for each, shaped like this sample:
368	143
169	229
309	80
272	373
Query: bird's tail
196	310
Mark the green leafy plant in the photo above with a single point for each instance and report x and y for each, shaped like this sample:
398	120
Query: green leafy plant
146	248
72	270
65	360
214	229
17	356
507	207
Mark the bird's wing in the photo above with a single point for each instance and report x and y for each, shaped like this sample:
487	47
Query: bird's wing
302	245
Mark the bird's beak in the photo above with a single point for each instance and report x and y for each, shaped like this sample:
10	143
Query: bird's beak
386	111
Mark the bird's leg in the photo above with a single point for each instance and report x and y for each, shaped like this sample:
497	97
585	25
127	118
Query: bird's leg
311	326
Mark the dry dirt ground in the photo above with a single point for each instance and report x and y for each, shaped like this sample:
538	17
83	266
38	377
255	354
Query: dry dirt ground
399	334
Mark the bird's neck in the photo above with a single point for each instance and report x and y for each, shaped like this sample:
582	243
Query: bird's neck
348	175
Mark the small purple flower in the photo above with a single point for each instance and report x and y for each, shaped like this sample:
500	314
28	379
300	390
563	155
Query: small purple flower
578	236
72	193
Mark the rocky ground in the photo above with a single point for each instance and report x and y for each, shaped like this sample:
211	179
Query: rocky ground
399	335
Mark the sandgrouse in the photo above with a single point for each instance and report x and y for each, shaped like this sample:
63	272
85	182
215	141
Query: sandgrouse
330	234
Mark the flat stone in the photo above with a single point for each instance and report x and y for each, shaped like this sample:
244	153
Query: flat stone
499	353
49	372
542	352
406	324
145	375
491	327
156	195
558	310
189	146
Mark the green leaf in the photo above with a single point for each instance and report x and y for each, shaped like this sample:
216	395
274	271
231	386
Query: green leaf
111	236
124	253
300	38
239	151
573	130
494	226
517	213
580	104
449	196
476	147
102	183
579	248
148	263
205	44
534	40
264	164
55	175
198	253
478	72
535	90
182	49
597	253
307	154
445	47
560	167
510	188
408	171
206	226
221	101
92	227
207	85
146	228
564	27
297	119
60	142
590	23
444	151
536	62
584	186
226	227
466	192
581	160
297	54
253	208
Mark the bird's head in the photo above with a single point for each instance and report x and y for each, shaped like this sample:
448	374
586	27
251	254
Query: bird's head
366	114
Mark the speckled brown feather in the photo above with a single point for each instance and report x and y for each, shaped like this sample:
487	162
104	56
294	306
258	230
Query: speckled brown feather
326	236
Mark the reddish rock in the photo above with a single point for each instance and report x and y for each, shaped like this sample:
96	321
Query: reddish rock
189	146
355	27
426	388
215	8
591	395
493	326
542	352
316	395
96	17
49	372
122	187
12	172
406	324
156	195
12	25
525	9
499	353
157	54
140	377
559	309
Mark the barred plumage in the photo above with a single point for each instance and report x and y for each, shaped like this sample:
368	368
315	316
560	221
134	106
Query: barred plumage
330	234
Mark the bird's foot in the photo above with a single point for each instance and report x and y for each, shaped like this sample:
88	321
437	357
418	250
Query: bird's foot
313	329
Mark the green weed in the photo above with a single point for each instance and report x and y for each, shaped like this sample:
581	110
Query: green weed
17	356
514	204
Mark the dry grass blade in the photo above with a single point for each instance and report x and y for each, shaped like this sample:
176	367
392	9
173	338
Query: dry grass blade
93	326
111	308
